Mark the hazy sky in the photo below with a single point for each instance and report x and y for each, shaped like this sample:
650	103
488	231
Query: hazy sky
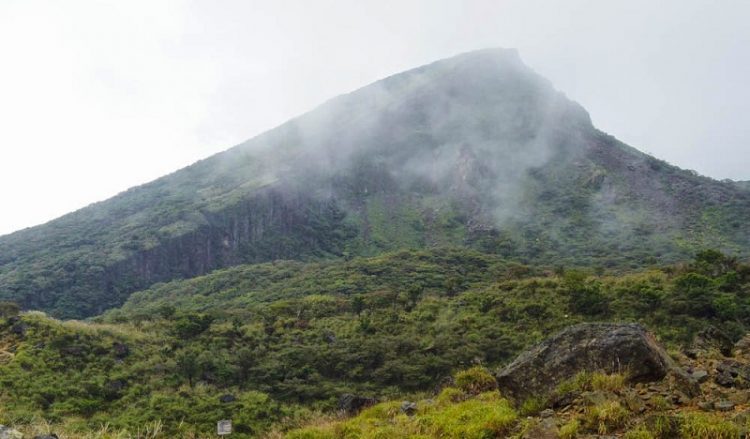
98	96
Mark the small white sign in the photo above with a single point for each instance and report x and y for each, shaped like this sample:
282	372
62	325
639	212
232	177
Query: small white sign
224	427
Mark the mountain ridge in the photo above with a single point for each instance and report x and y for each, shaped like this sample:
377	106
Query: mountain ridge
475	150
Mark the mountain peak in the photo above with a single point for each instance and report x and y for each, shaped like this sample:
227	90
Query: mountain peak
476	150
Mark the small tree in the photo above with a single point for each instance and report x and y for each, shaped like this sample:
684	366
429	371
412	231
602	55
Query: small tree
585	295
452	285
413	294
191	325
187	365
358	304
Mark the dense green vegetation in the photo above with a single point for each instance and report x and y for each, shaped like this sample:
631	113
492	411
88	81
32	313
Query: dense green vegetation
279	341
475	151
431	225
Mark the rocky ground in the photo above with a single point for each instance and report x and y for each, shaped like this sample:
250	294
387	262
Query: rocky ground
703	391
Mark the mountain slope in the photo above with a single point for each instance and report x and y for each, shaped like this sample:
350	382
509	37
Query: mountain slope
476	150
278	342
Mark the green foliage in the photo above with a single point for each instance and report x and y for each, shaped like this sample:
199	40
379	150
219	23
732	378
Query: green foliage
580	382
639	433
532	406
191	325
450	395
570	429
482	417
290	332
605	417
475	380
266	201
707	426
607	382
585	294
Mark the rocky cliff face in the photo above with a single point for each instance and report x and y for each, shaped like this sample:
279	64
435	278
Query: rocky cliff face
476	150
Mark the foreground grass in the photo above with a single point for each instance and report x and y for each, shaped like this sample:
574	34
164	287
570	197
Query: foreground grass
481	416
284	341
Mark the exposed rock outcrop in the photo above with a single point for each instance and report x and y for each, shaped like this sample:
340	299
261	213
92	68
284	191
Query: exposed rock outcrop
590	347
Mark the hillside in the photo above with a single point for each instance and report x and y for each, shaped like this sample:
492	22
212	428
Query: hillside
475	150
273	354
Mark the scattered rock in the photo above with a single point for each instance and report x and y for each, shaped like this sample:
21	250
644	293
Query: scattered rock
595	398
547	413
690	353
742	347
700	375
706	405
681	382
739	398
564	399
738	372
606	347
545	429
680	398
353	404
724	379
409	408
226	399
712	338
724	406
634	403
9	433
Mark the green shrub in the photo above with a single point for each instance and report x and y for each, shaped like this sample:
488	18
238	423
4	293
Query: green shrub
580	382
660	403
607	382
707	426
638	433
476	380
532	406
663	426
191	325
450	395
570	429
605	417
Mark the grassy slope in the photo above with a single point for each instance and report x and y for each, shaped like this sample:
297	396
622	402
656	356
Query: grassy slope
473	409
289	338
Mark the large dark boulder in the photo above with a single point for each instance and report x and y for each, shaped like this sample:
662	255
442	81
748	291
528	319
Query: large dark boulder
589	347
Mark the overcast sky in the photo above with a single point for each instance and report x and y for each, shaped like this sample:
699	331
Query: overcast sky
99	96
